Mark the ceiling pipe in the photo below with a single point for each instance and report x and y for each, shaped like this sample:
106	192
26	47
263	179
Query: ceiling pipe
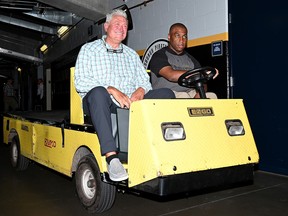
20	56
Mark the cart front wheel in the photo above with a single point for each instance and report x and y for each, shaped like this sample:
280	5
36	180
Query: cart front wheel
95	195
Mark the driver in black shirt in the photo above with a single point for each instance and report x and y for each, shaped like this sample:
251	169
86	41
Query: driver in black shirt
169	63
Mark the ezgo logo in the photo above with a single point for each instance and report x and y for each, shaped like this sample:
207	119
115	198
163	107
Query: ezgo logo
152	48
50	143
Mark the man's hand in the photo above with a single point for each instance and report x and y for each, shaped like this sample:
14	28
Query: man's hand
120	97
138	94
217	73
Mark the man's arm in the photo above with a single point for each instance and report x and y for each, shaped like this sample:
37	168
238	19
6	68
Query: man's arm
173	75
158	61
170	74
85	79
142	79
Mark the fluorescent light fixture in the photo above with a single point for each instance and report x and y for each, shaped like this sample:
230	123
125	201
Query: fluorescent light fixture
43	47
62	30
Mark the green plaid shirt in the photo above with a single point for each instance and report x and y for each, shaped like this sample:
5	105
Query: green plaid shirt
98	65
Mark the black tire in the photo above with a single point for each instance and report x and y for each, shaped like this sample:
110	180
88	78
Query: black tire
95	195
18	161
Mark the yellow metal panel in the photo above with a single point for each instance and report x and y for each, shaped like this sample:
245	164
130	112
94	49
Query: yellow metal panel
76	111
43	144
5	131
52	152
23	128
75	139
207	144
47	145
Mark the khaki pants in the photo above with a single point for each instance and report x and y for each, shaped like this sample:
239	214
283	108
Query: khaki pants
192	93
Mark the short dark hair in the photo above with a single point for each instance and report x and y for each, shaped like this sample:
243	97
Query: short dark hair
177	25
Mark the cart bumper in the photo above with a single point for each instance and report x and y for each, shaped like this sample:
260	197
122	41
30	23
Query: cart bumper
199	181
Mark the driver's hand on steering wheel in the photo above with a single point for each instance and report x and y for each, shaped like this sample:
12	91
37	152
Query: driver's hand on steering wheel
217	73
208	72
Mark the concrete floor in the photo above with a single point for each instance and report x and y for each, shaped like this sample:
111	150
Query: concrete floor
39	191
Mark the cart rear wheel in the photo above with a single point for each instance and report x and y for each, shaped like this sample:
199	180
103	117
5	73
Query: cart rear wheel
95	195
18	161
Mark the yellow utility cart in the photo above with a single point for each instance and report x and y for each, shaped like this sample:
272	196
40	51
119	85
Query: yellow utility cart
168	147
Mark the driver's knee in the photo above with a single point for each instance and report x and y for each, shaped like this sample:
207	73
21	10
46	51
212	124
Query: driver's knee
211	95
161	93
182	94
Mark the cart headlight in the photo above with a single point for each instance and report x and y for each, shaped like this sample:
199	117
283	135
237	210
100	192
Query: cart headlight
173	131
235	127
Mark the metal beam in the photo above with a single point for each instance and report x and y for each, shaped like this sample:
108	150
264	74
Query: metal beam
20	55
58	17
29	25
89	9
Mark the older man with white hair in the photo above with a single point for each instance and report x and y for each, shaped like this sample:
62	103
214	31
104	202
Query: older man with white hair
109	74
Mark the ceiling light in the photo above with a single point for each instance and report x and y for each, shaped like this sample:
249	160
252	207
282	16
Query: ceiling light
43	47
62	30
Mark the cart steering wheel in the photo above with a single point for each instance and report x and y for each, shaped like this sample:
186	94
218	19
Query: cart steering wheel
196	78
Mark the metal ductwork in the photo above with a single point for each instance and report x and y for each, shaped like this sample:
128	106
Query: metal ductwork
57	17
20	55
89	9
26	24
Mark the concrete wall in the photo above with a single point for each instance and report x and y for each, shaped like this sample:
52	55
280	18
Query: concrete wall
207	20
202	17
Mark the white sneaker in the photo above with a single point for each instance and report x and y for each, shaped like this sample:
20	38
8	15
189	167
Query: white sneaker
116	170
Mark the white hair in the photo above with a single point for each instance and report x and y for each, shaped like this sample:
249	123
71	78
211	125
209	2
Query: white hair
115	12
